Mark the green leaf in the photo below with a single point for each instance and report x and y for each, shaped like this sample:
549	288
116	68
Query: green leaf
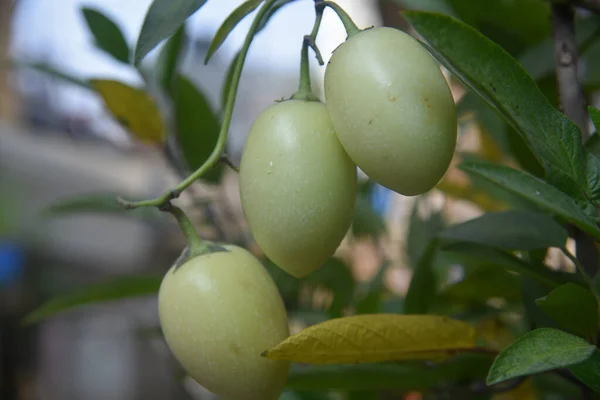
511	230
534	316
109	290
588	371
500	80
423	284
483	284
420	233
336	276
161	21
107	34
52	72
388	376
369	294
105	203
537	191
595	116
229	24
169	58
197	127
495	257
366	221
540	350
575	308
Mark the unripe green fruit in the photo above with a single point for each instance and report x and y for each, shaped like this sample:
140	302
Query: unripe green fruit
218	312
297	185
392	109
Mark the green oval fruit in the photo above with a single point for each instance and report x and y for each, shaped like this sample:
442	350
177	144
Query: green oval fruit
297	185
392	109
219	312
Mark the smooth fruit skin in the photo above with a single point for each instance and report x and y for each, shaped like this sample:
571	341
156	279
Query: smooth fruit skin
392	109
219	312
297	185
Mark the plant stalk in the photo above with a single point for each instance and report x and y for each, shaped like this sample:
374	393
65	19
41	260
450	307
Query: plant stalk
215	156
349	25
305	88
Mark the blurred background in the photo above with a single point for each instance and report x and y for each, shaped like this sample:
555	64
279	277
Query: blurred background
59	142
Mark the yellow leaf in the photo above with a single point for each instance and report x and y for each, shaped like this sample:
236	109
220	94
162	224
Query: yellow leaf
133	108
375	338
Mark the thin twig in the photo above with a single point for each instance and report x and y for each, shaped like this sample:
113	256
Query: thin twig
227	161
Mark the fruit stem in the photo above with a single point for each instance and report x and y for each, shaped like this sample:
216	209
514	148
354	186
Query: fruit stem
215	156
349	25
196	245
305	89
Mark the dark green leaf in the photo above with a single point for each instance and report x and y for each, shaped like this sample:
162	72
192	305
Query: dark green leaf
169	59
513	230
336	276
513	25
588	371
369	294
499	79
94	203
534	317
537	191
227	26
502	133
575	308
540	350
592	145
423	283
388	376
289	286
366	221
110	290
161	21
107	34
52	72
495	257
196	126
483	284
420	233
595	116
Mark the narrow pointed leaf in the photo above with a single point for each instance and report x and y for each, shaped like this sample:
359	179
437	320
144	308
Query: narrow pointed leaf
134	108
51	71
375	338
161	21
423	285
495	257
574	307
104	203
197	127
513	230
107	34
500	80
588	371
537	191
595	115
540	350
229	24
169	58
110	290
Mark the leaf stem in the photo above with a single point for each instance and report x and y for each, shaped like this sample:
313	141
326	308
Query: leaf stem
215	156
349	25
305	89
196	245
